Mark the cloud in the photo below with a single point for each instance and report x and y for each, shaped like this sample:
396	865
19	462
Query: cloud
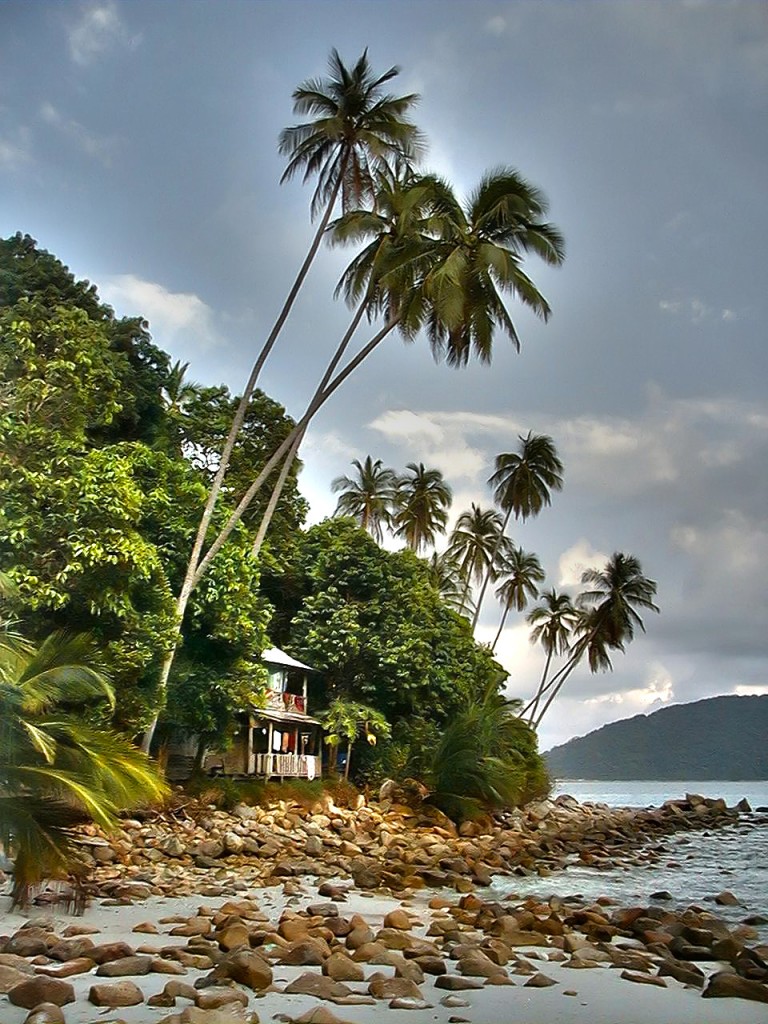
575	560
696	310
93	145
176	318
98	29
15	154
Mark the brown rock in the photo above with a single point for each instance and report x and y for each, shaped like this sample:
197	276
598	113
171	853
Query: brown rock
45	1013
33	991
109	951
72	949
317	985
539	980
125	966
358	936
245	967
431	964
309	953
233	936
12	976
318	1015
398	919
726	984
215	998
455	982
727	899
341	968
122	993
685	973
194	926
146	928
394	988
643	979
68	969
475	964
26	943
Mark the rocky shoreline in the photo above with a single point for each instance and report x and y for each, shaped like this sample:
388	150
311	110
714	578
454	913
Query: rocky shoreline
323	905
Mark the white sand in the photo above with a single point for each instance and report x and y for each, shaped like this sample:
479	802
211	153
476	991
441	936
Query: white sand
602	997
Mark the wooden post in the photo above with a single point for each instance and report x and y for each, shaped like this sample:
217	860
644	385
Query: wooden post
251	766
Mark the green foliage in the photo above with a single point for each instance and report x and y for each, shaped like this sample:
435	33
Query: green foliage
55	769
374	624
486	759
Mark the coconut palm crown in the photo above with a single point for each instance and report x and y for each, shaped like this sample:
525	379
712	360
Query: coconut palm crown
422	503
356	129
368	498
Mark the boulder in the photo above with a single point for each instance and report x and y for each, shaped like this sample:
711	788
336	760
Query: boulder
45	1013
122	993
245	967
394	988
10	977
125	966
33	991
317	985
726	984
341	968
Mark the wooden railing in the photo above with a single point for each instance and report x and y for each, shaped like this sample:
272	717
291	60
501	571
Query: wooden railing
286	702
303	766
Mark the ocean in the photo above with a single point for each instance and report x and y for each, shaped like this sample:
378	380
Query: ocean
698	865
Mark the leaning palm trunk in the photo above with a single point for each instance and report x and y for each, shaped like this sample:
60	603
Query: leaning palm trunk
504	615
533	704
555	684
277	490
195	573
489	571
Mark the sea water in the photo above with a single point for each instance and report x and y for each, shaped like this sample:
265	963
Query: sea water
693	866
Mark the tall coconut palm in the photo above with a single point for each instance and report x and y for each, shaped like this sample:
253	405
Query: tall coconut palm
446	577
178	392
521	572
464	264
553	622
421	506
55	769
473	543
356	128
368	497
608	617
523	482
483	245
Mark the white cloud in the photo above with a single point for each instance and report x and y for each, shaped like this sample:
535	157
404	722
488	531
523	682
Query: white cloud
175	318
750	691
98	28
575	560
696	310
93	145
497	25
14	155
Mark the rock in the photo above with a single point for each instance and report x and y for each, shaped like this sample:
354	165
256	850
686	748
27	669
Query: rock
122	993
454	1002
68	969
643	979
127	965
475	964
318	1015
12	976
146	928
309	953
215	998
726	984
72	949
110	951
397	919
685	973
29	944
317	985
233	936
455	982
366	872
727	899
539	980
341	968
33	991
394	988
45	1013
245	967
409	1003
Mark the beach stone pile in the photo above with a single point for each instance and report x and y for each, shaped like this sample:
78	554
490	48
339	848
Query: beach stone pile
383	844
207	968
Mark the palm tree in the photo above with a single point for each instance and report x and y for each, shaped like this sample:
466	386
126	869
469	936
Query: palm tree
421	506
473	543
56	770
369	497
522	572
553	622
177	390
483	244
523	482
346	720
446	577
608	617
356	129
455	267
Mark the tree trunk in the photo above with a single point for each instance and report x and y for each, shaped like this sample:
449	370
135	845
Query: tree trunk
504	615
489	570
349	758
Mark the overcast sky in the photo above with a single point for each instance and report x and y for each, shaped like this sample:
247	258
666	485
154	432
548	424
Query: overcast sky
138	144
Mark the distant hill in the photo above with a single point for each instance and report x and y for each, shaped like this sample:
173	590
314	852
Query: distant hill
719	738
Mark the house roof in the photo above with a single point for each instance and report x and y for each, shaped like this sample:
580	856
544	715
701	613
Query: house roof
284	716
274	656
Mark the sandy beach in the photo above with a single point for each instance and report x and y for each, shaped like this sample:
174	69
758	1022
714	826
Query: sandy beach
598	995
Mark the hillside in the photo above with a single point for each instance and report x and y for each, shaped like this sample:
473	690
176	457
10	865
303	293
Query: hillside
719	738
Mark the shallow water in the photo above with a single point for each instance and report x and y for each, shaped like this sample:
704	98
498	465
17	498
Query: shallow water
693	867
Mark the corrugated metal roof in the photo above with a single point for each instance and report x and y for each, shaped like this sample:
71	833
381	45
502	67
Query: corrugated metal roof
283	716
274	656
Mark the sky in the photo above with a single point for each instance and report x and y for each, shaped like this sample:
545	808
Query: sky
138	142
